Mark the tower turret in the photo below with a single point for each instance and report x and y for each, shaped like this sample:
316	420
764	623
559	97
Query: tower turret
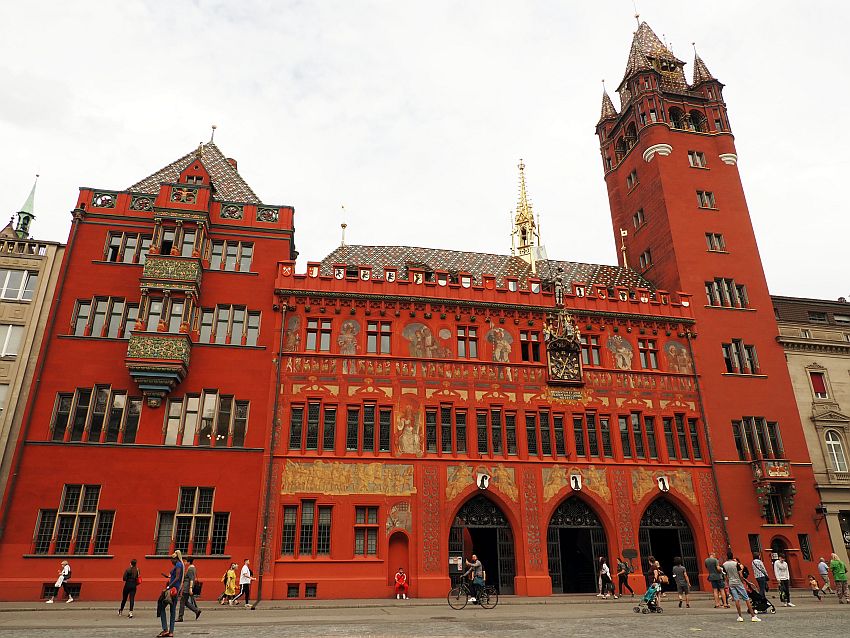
525	236
26	214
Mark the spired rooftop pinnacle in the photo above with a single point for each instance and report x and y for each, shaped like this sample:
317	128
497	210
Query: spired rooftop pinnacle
701	72
608	110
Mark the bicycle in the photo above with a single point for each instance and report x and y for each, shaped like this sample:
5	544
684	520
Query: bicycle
459	595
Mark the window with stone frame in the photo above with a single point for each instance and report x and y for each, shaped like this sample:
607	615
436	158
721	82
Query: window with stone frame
127	248
715	242
194	527
591	351
306	530
77	527
17	285
231	256
705	199
10	339
696	159
757	438
228	325
312	426
818	381
727	293
379	337
368	428
648	351
100	414
318	335
835	451
740	358
467	342
110	317
529	341
208	419
365	530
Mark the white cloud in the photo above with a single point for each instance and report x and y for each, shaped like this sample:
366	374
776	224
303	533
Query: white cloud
415	114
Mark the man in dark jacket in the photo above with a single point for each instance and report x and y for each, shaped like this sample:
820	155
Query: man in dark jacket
187	598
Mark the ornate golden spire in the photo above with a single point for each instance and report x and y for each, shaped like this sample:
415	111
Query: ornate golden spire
525	236
524	212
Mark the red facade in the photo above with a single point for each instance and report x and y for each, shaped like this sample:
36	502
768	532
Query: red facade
395	406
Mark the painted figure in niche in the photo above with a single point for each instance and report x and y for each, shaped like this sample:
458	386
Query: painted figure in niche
678	358
347	340
501	340
292	338
422	343
408	431
622	351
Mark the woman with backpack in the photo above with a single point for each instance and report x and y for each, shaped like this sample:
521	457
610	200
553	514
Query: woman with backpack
623	571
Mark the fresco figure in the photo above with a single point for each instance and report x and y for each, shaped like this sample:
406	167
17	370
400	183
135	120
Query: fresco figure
622	351
347	340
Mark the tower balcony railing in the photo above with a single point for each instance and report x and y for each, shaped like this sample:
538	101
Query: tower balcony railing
158	362
172	272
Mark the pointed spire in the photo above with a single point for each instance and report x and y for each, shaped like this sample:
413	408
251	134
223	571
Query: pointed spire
608	110
27	213
701	72
524	212
645	46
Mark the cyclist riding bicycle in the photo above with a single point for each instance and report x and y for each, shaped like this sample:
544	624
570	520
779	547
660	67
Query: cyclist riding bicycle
477	584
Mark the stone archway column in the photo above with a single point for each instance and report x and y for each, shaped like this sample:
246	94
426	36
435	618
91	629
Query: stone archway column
532	577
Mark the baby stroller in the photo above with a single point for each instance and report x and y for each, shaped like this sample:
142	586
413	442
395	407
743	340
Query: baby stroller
760	603
649	602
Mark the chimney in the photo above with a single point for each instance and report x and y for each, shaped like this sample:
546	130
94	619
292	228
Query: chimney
232	162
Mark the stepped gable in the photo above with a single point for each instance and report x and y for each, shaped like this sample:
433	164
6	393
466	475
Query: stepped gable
478	264
227	183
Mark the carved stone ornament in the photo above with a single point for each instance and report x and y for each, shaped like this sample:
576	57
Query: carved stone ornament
231	211
269	215
141	202
103	200
183	195
563	348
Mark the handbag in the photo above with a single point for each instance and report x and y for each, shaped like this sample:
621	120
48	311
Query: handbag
197	587
138	580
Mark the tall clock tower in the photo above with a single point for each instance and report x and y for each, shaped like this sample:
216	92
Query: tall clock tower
670	165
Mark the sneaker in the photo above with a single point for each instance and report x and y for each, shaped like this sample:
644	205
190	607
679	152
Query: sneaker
404	596
70	600
472	600
680	604
49	601
755	619
130	615
197	614
398	596
120	612
790	605
599	595
740	619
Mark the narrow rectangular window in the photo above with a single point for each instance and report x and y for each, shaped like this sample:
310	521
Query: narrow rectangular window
164	531
61	416
529	345
510	432
323	532
99	316
369	411
446	429
648	350
694	433
129	322
352	437
739	440
81	318
649	423
252	333
460	430
578	435
430	430
592	437
496	430
481	428
625	442
683	436
305	543
775	440
545	435
44	531
605	429
81	413
329	429
218	540
560	442
637	432
290	519
531	432
313	415
384	425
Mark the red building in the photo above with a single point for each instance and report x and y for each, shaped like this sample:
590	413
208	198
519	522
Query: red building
148	426
397	406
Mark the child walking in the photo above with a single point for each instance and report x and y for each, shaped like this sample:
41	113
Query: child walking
816	591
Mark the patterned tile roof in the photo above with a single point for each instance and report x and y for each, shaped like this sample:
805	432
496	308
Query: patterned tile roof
646	46
478	264
227	184
701	72
608	110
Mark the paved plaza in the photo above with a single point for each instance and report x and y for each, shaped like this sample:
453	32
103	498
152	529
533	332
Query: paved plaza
555	616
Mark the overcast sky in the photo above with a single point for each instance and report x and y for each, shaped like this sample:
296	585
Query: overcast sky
414	114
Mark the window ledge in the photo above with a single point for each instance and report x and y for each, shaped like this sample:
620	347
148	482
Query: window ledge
328	559
777	525
744	376
115	263
157	446
702	168
166	556
707	208
74	556
226	345
208	271
730	308
721	252
120	339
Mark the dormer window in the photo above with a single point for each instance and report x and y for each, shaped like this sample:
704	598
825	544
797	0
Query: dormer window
194	179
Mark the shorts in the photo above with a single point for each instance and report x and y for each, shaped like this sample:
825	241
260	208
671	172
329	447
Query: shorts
719	585
683	588
816	593
738	592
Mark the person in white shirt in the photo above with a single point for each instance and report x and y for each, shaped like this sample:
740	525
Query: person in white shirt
245	578
760	574
783	575
62	581
823	571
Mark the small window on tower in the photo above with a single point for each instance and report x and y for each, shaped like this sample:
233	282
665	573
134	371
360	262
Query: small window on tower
696	159
646	258
631	179
638	219
705	199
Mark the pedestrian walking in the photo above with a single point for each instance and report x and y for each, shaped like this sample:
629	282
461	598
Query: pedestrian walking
823	572
168	599
132	578
815	587
229	580
62	581
839	573
717	581
760	574
658	576
683	583
605	576
783	575
732	568
623	571
187	596
245	578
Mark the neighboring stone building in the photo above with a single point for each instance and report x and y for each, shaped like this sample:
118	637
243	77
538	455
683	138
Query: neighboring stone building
816	336
29	270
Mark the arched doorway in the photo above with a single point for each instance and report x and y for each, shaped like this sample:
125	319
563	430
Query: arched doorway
397	556
481	528
664	533
575	540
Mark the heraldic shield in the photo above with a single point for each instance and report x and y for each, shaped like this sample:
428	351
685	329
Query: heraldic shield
563	349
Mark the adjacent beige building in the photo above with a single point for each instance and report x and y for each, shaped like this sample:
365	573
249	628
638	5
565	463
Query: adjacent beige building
816	336
29	270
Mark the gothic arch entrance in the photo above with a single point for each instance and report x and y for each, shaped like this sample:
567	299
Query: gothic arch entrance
575	540
481	528
664	533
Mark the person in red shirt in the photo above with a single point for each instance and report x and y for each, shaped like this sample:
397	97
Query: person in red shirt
401	584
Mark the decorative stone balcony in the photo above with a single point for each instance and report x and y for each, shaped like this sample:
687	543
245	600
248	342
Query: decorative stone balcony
172	272
772	471
158	362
